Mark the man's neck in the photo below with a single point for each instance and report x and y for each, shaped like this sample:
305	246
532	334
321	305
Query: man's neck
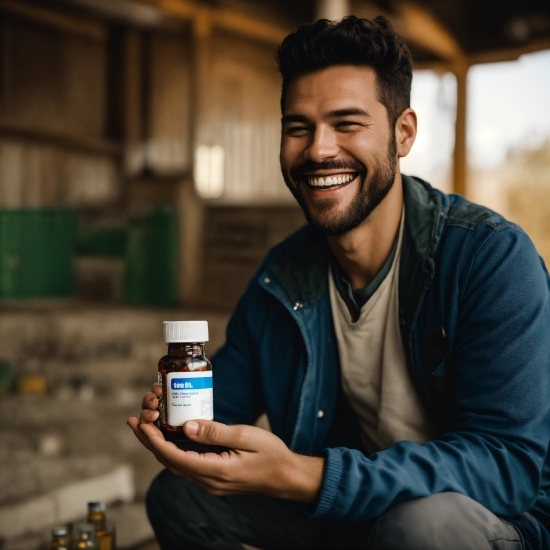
363	251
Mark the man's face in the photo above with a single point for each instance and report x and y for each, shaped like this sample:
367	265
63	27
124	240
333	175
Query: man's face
338	151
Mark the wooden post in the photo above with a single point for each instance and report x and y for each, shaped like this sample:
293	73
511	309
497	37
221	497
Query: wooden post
190	205
333	10
134	137
460	158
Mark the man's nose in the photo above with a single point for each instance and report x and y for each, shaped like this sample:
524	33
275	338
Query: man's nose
322	146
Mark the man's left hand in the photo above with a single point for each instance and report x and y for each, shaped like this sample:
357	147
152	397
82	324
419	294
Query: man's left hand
257	461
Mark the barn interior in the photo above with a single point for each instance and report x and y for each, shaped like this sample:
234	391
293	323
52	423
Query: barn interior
140	182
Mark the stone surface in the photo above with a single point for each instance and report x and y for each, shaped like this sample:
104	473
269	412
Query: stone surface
66	503
98	363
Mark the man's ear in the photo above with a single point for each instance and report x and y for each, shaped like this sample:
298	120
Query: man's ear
405	132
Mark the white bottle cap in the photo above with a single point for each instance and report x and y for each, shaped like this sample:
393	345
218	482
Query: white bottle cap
185	331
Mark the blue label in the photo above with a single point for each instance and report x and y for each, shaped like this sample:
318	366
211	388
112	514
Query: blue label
191	383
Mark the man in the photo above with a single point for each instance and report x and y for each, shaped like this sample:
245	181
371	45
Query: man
399	345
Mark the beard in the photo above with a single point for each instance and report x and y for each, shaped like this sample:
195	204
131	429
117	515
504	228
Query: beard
375	185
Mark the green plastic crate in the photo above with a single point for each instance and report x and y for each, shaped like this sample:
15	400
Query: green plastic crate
151	259
36	252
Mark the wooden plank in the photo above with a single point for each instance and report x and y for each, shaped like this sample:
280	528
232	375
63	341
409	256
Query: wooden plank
460	159
222	18
133	91
59	21
493	56
419	26
510	54
248	26
169	86
60	139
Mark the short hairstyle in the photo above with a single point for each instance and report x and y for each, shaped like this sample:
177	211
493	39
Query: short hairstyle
351	41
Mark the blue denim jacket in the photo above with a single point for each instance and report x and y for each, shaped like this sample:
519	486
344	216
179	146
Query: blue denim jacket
475	322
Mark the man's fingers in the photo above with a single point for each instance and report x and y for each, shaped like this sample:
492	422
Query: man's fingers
147	416
159	445
239	437
134	423
157	390
150	401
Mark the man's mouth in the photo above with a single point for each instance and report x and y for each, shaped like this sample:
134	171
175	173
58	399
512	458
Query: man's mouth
331	181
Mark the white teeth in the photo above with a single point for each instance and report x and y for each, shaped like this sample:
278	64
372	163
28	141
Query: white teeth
330	180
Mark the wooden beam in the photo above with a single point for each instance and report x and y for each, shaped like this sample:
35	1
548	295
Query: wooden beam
66	23
248	26
419	26
492	56
66	141
222	18
510	54
190	205
460	159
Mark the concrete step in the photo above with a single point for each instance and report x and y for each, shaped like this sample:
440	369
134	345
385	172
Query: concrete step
98	363
133	531
91	433
31	333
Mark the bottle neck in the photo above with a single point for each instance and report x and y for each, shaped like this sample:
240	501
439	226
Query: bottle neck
191	349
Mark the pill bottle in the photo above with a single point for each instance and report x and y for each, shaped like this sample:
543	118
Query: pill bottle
85	538
60	538
96	515
185	376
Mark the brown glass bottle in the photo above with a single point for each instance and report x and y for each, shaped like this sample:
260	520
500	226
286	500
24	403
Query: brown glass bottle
60	538
181	357
96	515
185	376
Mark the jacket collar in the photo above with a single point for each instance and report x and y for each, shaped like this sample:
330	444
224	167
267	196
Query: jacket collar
301	267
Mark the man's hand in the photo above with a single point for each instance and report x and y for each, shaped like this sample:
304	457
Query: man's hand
150	405
257	462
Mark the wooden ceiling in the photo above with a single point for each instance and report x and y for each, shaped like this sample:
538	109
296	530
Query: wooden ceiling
437	31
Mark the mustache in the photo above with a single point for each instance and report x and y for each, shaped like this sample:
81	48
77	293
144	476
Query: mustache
310	166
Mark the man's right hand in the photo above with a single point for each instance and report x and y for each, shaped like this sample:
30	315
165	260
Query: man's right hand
150	405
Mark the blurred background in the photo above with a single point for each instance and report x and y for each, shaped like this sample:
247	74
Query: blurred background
139	182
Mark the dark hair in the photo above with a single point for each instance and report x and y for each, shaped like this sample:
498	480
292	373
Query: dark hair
352	41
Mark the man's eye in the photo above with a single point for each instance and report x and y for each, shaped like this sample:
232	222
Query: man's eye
297	130
347	125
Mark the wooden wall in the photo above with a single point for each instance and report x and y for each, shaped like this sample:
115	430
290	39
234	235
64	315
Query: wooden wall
53	146
105	116
244	118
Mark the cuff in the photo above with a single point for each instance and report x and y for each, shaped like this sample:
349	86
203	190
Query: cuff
331	480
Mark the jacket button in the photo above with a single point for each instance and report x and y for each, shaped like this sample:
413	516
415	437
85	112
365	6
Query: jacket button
320	414
267	280
298	305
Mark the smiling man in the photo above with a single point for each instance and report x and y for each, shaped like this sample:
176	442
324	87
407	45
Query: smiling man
398	344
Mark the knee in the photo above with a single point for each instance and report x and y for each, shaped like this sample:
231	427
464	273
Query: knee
159	499
399	526
158	488
422	524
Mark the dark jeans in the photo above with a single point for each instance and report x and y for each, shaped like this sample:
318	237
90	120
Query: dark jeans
184	516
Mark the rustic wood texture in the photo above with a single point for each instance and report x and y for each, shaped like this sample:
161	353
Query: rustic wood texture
53	149
169	109
243	117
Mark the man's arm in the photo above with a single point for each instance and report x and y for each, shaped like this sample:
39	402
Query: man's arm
501	365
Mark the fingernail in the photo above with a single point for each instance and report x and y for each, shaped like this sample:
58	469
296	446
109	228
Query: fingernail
191	427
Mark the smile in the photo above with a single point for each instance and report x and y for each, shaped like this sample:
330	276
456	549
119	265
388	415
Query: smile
333	180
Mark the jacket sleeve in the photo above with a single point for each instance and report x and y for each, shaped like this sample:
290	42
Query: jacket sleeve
237	395
501	361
